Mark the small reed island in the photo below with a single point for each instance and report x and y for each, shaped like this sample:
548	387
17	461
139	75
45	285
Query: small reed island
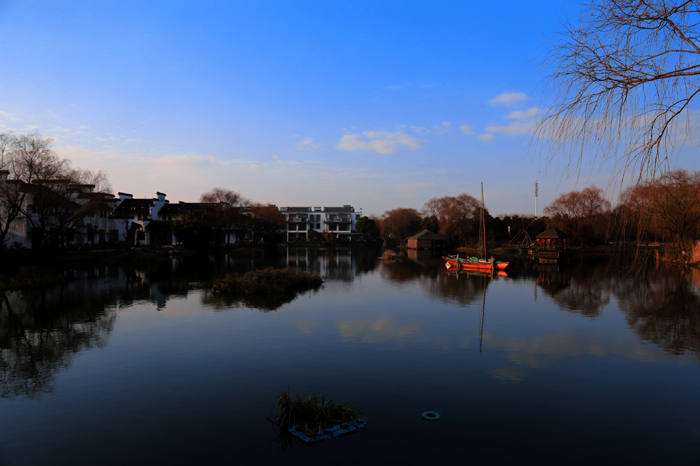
269	280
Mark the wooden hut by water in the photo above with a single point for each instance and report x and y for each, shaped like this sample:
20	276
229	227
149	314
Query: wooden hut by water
425	240
551	246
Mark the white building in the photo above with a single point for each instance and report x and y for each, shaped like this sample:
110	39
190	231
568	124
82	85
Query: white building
339	220
57	211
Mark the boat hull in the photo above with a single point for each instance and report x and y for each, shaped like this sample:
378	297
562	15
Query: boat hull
466	264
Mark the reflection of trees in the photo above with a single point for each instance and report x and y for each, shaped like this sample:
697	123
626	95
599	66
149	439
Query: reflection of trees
265	303
583	290
462	289
39	334
660	307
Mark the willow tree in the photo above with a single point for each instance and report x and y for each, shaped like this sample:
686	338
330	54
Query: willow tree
624	81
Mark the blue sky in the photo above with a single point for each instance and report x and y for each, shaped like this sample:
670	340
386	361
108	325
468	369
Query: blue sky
375	104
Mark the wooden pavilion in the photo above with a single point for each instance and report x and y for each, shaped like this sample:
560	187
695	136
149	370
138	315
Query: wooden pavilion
551	246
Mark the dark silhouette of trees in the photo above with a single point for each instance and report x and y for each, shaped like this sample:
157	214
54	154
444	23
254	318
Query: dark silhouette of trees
457	217
267	223
667	207
194	230
398	224
368	228
583	214
225	211
624	76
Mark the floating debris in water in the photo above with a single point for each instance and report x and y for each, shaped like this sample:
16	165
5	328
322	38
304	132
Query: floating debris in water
309	436
431	416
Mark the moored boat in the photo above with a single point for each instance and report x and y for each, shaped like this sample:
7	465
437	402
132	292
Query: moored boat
471	263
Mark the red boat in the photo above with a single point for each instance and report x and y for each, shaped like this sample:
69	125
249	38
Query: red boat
458	263
474	263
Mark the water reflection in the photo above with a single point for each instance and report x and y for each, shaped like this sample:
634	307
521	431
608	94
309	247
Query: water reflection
661	306
41	332
581	290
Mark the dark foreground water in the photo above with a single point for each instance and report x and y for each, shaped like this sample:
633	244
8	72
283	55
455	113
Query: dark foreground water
579	364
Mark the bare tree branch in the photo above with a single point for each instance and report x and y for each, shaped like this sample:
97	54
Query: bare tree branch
622	81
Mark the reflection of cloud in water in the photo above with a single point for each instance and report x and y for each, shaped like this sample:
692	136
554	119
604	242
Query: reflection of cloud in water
510	375
307	326
544	350
385	329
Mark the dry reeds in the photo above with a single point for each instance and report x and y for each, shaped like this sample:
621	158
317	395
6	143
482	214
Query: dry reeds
30	277
269	280
391	256
313	413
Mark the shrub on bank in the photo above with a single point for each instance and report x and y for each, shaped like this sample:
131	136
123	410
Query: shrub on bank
269	280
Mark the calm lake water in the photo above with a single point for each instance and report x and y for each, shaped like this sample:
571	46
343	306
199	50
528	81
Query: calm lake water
577	364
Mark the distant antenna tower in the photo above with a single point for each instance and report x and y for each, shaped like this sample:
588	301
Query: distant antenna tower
535	197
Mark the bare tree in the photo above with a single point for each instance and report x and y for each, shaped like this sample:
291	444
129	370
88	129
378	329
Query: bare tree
399	224
39	187
623	78
27	159
583	213
225	209
668	206
457	216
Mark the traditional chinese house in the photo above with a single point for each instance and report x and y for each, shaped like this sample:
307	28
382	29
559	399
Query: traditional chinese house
551	246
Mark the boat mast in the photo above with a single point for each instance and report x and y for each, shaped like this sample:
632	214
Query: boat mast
483	219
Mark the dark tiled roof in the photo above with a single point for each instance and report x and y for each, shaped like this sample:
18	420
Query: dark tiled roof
553	232
427	235
339	209
171	209
134	206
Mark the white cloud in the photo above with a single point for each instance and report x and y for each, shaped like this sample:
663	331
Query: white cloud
307	144
513	129
524	114
381	141
508	98
466	129
486	137
7	116
420	130
440	129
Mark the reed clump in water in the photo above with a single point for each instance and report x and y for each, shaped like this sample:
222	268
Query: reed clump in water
312	412
269	280
30	277
391	256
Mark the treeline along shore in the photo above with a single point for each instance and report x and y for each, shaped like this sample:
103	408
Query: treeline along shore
49	209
